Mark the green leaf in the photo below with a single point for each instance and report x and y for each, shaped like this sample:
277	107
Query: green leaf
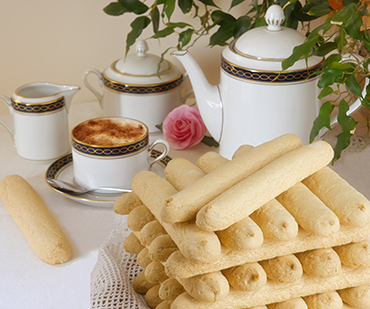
163	33
210	141
134	6
185	37
185	5
329	77
316	127
220	17
343	141
325	113
325	49
325	92
353	26
346	122
155	16
224	33
115	9
332	58
169	8
235	3
299	51
366	102
319	8
178	25
242	25
345	13
138	25
353	85
340	39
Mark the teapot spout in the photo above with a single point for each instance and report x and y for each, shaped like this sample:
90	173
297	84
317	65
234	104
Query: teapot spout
207	96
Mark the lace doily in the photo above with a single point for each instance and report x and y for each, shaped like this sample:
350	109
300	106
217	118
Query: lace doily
114	272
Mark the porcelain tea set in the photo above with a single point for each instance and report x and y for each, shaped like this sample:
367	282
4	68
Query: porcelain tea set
254	102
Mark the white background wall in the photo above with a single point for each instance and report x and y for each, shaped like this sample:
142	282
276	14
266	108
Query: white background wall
56	41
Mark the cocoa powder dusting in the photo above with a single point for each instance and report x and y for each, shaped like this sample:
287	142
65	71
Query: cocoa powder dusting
106	132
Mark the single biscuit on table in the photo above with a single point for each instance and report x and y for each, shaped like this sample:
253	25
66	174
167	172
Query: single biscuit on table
34	219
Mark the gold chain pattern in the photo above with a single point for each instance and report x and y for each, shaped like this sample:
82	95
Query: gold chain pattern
38	108
272	77
113	151
145	89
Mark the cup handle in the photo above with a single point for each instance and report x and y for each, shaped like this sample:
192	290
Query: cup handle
98	95
166	149
9	104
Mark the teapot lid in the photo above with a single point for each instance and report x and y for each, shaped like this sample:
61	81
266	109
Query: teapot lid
141	63
273	42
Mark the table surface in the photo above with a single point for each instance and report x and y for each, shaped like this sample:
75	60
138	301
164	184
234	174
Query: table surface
28	282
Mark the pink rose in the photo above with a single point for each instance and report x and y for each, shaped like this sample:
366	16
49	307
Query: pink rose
183	127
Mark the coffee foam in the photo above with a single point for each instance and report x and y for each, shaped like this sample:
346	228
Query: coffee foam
109	132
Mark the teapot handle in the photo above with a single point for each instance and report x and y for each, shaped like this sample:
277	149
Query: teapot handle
9	104
91	88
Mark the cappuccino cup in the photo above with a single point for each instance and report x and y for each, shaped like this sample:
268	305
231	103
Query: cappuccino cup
110	151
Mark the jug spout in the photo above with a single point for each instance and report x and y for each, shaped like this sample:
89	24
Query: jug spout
207	96
68	91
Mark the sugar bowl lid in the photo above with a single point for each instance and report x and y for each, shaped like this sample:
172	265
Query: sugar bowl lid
142	68
266	47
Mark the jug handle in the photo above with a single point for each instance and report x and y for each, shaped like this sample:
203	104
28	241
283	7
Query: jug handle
354	106
91	88
9	104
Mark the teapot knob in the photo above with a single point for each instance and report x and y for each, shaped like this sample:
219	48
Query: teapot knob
141	48
274	17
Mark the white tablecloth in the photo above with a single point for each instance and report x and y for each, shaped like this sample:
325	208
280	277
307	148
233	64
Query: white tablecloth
25	280
28	282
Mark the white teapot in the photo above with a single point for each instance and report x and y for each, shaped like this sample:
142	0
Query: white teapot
256	101
134	88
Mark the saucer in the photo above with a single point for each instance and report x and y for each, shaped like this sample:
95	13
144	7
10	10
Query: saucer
63	169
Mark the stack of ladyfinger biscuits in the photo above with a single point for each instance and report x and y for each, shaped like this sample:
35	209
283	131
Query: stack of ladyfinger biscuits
274	227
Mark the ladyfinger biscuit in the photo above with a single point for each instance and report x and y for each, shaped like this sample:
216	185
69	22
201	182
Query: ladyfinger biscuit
132	244
138	217
269	293
275	221
242	150
181	173
140	284
185	204
358	296
152	298
210	161
143	259
125	203
166	304
246	277
309	211
32	216
179	266
242	235
350	206
161	248
256	190
170	289
326	300
155	273
354	254
197	245
210	287
150	231
320	262
283	269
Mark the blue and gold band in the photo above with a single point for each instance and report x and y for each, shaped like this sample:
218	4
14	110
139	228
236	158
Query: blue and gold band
38	108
